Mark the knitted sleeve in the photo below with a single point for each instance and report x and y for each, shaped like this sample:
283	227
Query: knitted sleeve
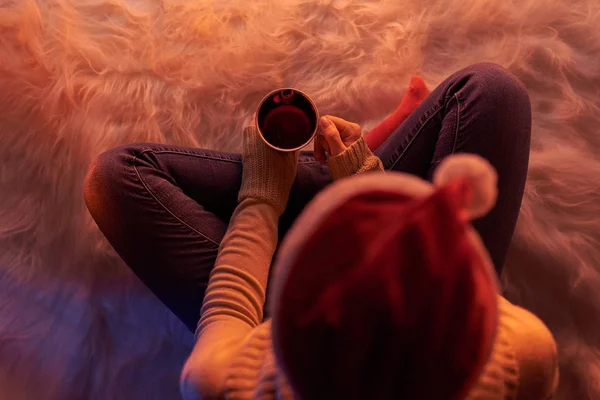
356	159
234	300
535	352
500	376
523	364
253	373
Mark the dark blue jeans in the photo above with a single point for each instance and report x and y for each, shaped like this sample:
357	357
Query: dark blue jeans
165	209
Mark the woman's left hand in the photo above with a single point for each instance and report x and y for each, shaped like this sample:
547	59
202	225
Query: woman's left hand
335	136
267	174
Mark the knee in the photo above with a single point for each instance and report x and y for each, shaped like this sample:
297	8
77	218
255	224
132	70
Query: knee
499	88
106	178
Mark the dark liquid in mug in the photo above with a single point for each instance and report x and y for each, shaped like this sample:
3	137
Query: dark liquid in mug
287	127
287	119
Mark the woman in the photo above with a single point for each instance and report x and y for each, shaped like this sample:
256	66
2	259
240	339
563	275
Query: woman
166	209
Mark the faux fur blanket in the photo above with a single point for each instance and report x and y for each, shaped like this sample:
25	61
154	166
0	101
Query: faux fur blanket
80	76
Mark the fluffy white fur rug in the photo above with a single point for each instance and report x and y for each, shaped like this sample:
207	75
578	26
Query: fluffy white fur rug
80	76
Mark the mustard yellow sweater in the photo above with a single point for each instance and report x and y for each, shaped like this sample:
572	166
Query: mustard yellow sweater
233	357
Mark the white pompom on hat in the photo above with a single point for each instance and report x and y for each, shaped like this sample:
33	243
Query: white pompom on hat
478	174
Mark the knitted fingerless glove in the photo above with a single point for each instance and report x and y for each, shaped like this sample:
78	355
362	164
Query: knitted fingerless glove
356	159
268	174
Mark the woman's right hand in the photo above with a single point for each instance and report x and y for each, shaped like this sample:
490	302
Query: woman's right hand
334	137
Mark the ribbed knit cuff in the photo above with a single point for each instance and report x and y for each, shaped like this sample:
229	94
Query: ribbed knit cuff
356	159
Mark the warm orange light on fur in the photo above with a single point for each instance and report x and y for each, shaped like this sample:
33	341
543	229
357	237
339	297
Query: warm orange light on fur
80	76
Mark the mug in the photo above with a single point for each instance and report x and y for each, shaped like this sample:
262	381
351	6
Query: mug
287	119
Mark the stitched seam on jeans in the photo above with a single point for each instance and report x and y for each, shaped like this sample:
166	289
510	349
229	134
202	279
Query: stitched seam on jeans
414	137
217	158
307	161
135	158
183	153
457	123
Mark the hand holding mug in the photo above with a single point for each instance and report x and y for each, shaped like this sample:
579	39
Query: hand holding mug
267	174
335	136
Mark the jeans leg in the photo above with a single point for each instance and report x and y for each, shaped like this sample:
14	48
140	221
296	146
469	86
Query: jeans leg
166	209
484	110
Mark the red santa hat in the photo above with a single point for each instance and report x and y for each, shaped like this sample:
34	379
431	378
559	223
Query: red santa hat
382	288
